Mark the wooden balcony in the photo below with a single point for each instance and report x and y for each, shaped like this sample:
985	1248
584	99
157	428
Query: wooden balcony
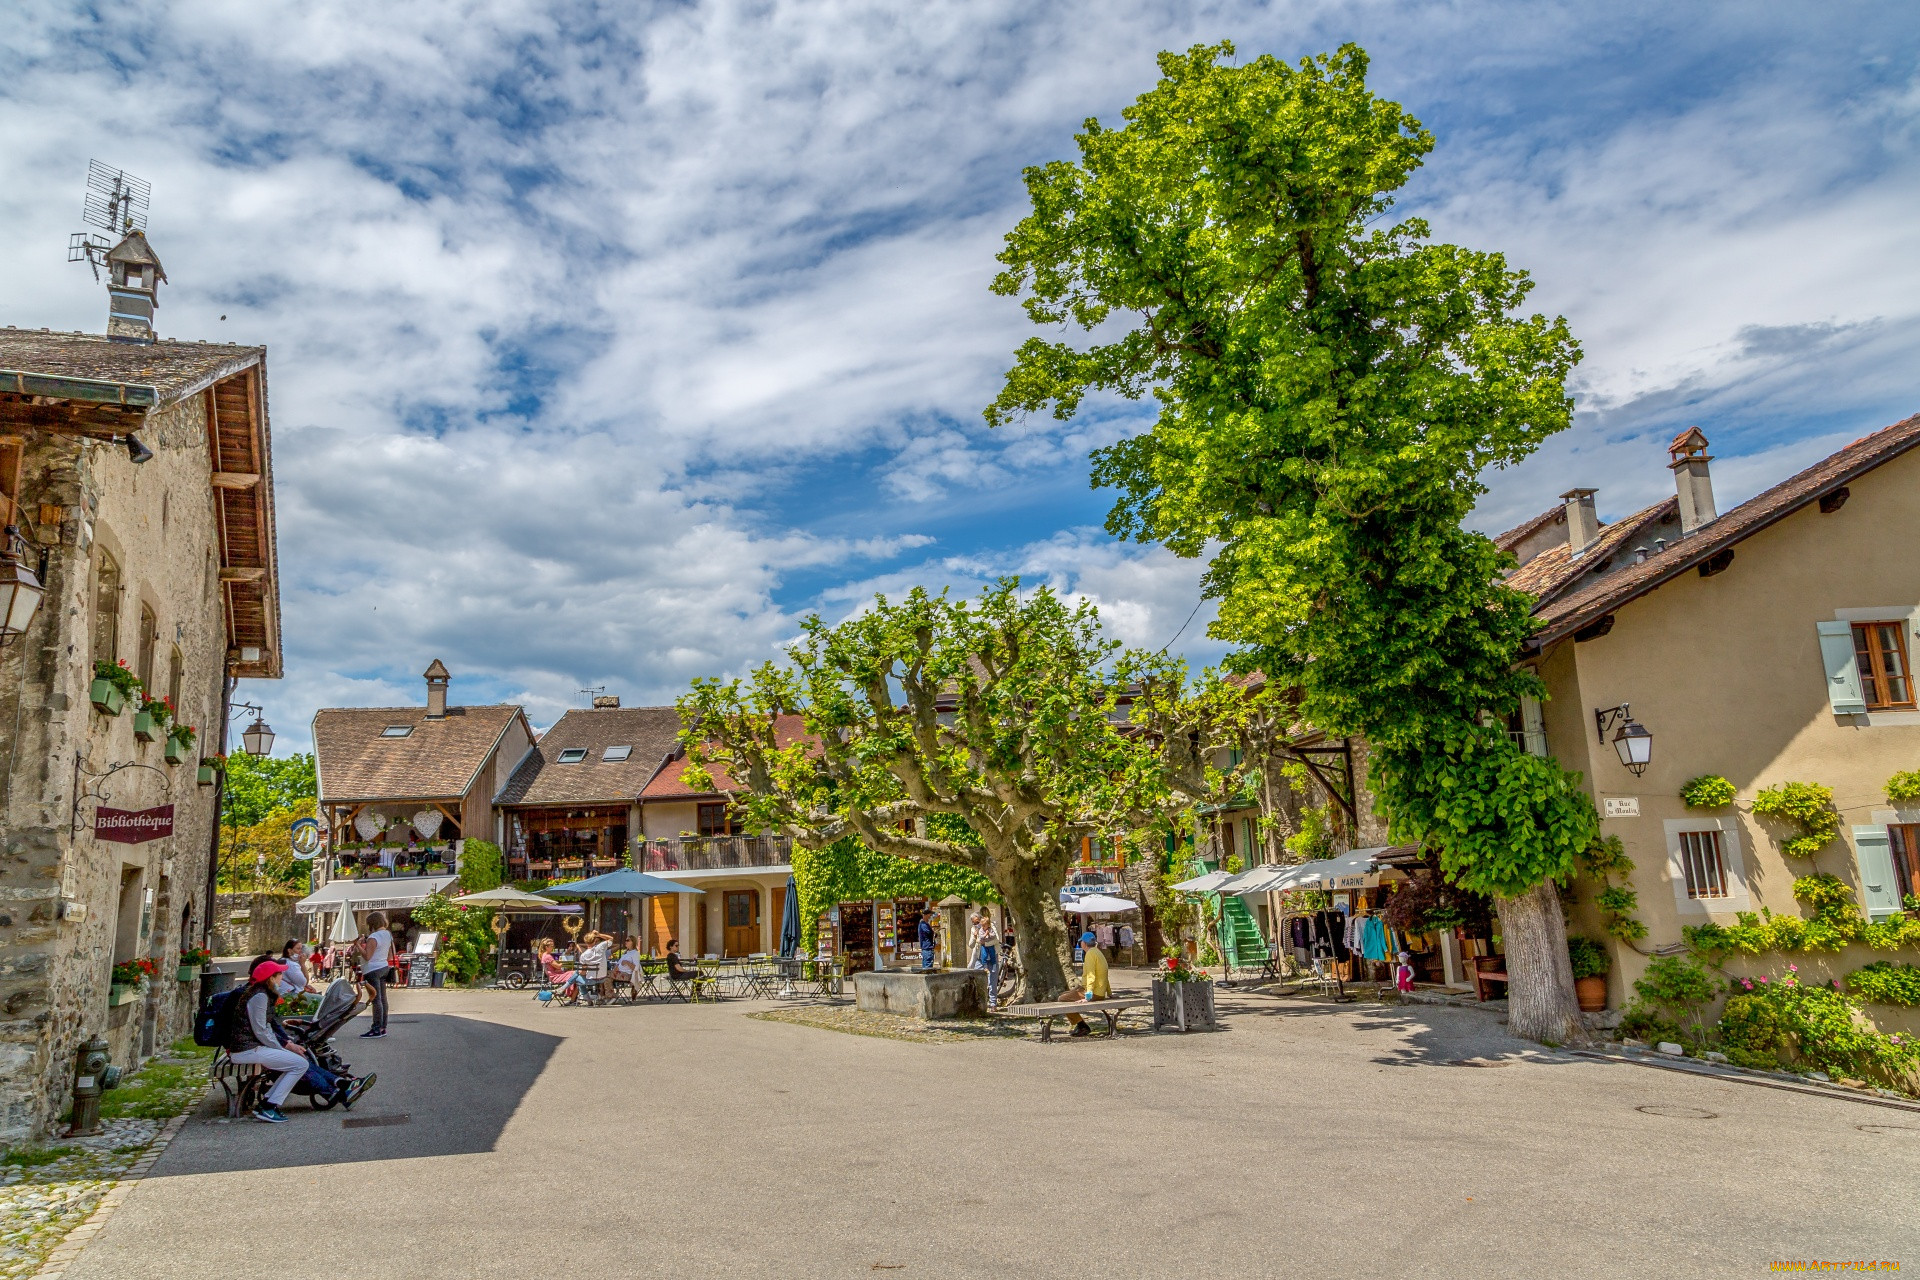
716	853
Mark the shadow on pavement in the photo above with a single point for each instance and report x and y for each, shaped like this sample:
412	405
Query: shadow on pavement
447	1086
1424	1035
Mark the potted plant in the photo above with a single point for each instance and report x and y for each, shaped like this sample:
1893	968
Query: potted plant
154	719
1590	965
192	961
128	977
1183	996
113	684
210	766
179	743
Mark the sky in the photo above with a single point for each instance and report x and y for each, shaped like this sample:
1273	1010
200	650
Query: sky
608	341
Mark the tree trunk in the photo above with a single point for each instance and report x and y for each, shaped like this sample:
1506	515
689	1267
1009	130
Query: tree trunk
1540	1001
1033	895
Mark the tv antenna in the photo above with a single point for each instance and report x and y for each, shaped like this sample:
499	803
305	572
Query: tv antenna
594	693
116	204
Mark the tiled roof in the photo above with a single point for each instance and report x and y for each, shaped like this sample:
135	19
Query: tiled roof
174	370
1554	569
1520	533
668	784
437	761
651	732
1573	610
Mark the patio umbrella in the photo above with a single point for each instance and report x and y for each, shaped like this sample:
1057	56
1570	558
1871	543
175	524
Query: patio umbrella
505	898
790	923
1099	904
619	884
344	929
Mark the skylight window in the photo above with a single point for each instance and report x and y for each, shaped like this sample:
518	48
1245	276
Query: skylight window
613	755
396	731
572	755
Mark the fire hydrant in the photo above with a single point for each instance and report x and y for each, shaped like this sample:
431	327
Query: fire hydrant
93	1075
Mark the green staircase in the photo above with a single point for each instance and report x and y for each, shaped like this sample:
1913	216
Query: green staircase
1240	934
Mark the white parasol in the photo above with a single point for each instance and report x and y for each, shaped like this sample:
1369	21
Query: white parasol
344	929
1099	904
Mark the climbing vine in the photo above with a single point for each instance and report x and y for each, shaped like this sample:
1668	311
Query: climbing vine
1708	791
1904	787
1836	921
1885	982
1604	860
848	871
1807	806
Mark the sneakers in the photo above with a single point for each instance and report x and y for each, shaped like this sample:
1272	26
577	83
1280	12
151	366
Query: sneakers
350	1092
269	1115
375	1034
1082	1029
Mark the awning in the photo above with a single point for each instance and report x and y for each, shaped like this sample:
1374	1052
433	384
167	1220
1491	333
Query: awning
1261	879
1353	870
1208	883
377	894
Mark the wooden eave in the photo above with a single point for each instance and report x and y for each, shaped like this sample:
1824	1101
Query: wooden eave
241	461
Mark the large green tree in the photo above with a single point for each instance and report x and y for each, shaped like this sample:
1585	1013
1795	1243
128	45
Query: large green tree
1007	714
258	786
1331	384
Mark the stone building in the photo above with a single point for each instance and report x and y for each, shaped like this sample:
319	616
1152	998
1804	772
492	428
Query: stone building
137	491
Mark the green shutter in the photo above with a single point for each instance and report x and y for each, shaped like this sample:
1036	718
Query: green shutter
1843	677
1875	854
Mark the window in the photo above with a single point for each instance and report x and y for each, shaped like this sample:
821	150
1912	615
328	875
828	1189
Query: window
572	755
106	609
149	641
712	820
1905	840
1880	651
1703	865
396	731
614	755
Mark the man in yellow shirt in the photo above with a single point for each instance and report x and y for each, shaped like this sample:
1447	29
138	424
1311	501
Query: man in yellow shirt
1094	980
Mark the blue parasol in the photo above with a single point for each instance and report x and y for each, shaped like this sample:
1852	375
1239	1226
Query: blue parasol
790	923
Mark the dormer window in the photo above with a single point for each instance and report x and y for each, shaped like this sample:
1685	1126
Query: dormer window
572	755
396	731
614	755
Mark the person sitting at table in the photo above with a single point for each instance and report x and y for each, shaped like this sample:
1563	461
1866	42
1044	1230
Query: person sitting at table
675	968
593	959
556	973
630	960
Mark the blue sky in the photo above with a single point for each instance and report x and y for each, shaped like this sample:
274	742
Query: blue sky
606	341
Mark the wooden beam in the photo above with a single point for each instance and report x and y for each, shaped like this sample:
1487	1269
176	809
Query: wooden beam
242	573
235	479
77	418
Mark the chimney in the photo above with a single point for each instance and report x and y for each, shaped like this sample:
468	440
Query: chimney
606	702
437	676
133	289
1583	523
1690	478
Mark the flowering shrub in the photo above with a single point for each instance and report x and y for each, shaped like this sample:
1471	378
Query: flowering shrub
160	708
129	973
1176	969
1821	1028
1708	791
1806	805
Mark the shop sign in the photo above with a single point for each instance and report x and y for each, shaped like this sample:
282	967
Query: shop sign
132	826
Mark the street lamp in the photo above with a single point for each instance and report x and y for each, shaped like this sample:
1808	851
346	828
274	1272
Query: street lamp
20	590
259	736
1632	742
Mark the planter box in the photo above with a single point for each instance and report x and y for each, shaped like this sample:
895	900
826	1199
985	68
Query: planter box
1186	1005
118	994
107	699
176	751
186	973
143	727
205	776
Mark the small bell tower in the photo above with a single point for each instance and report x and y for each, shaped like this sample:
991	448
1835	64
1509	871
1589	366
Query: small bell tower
133	288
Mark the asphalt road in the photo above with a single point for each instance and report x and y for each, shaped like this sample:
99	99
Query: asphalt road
1303	1140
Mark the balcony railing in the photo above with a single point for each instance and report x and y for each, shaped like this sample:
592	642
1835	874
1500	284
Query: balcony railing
717	853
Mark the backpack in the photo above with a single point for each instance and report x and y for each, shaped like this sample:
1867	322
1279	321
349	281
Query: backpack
210	1028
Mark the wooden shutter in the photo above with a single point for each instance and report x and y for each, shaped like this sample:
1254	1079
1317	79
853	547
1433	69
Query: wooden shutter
1875	854
1843	674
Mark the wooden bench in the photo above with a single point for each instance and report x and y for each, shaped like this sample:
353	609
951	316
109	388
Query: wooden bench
233	1079
1487	969
1047	1013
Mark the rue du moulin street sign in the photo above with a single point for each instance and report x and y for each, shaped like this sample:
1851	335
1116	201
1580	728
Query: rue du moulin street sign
132	826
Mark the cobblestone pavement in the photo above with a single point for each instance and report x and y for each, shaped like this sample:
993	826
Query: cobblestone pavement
46	1192
509	1140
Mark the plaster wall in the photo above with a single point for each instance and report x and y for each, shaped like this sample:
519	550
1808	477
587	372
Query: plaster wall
68	902
1726	672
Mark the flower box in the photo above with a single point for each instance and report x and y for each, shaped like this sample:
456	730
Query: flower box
107	699
176	751
186	973
1186	1005
205	775
143	726
122	993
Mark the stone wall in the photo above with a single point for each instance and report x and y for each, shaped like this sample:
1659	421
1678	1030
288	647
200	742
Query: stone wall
71	905
269	920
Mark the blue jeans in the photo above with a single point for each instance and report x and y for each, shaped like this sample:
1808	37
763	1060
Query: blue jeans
990	961
926	955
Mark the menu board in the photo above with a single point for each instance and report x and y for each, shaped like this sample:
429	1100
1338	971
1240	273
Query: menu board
420	969
883	926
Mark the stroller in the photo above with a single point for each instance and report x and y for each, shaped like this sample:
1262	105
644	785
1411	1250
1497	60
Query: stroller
315	1034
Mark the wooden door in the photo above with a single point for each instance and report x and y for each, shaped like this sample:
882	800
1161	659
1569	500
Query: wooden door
666	924
778	914
742	935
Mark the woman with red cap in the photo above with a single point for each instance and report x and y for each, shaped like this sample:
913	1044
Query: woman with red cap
251	1039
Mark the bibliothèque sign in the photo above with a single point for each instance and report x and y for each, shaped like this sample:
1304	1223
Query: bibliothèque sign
132	826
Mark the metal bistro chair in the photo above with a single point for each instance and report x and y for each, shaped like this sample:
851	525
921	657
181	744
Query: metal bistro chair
757	976
708	979
665	986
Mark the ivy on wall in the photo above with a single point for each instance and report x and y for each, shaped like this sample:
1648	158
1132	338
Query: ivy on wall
848	871
1836	921
1605	860
1708	791
1805	805
1904	787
